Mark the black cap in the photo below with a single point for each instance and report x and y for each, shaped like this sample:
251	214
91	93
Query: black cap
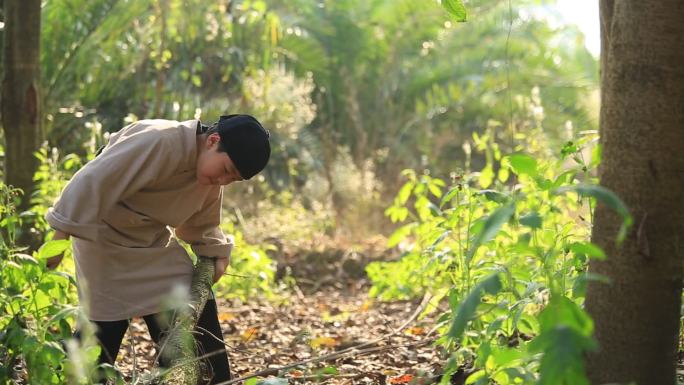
246	142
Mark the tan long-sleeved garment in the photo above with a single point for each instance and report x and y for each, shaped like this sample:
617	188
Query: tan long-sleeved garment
120	209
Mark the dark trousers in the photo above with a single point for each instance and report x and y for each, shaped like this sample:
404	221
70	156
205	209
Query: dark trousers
207	334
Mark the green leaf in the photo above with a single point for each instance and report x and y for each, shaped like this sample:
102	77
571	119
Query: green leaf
483	352
476	376
491	227
328	370
466	310
456	9
196	81
422	207
563	311
569	148
435	190
589	249
606	197
400	234
601	194
505	356
596	155
449	369
53	248
449	195
64	275
439	239
579	287
532	220
486	177
564	178
523	164
397	213
405	192
494	196
563	359
503	175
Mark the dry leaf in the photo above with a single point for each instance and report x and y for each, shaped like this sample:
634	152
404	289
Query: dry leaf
366	305
323	341
249	334
226	316
403	379
416	331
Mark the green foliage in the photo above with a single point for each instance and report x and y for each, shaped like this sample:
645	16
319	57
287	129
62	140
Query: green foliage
382	83
51	176
36	315
565	335
466	309
153	59
455	9
282	216
398	79
251	271
509	257
608	198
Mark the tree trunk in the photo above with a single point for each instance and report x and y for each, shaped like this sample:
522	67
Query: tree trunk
160	66
21	115
642	136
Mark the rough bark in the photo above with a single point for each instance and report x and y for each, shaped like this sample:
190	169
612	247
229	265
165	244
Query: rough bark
21	112
178	349
642	136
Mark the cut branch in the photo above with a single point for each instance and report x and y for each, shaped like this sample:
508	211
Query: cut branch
178	349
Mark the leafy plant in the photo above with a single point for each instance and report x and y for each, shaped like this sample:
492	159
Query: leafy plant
508	257
251	272
36	315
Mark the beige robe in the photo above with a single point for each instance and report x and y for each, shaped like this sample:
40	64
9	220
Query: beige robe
120	208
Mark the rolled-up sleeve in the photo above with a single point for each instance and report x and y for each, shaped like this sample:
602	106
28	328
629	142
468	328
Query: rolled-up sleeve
122	169
202	230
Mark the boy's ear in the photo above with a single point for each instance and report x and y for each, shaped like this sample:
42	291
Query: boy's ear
212	139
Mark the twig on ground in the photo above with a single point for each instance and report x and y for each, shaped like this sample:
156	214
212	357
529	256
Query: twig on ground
347	352
321	377
354	350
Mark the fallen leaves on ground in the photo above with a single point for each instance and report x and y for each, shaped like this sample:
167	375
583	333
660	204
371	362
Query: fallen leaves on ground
262	335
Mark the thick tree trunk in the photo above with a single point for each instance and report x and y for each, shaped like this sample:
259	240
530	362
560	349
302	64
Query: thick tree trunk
642	135
21	115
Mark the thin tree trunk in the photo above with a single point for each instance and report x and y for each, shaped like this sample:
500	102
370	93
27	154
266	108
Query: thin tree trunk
642	136
162	9
21	112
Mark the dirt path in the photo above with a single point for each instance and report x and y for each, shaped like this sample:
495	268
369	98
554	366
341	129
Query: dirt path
261	335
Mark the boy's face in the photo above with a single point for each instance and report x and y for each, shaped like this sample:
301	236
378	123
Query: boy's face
215	167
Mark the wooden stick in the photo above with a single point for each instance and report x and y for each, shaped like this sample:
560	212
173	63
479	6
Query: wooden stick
354	350
346	352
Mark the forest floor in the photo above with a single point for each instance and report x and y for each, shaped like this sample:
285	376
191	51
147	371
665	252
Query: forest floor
263	335
322	318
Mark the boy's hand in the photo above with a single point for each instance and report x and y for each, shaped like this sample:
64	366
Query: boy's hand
220	265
